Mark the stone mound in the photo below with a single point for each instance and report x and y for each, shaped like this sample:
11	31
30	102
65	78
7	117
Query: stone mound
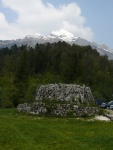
57	109
65	92
61	100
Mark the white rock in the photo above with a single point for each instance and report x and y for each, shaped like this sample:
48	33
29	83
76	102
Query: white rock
102	118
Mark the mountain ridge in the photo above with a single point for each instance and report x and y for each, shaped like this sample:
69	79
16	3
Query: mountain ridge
55	36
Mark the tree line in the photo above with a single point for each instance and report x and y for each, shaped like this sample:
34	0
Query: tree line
23	69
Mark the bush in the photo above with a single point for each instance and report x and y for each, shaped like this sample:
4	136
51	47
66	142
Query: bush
31	93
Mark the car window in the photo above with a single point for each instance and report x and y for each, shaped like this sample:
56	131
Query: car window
111	103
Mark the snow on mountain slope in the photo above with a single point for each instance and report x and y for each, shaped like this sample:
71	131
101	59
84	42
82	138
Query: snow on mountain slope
106	48
63	35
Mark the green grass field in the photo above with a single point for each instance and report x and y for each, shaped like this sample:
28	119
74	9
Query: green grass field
22	132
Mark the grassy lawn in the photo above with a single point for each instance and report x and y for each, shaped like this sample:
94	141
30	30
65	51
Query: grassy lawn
22	132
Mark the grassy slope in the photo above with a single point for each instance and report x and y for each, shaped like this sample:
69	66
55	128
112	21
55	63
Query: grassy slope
21	132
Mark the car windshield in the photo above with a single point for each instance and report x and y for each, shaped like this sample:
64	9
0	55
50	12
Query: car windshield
111	103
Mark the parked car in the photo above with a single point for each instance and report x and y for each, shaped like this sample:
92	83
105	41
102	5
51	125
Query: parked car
99	102
108	105
111	107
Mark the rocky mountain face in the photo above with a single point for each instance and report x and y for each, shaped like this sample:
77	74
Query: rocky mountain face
55	36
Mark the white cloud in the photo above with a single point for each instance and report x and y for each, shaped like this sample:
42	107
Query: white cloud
36	17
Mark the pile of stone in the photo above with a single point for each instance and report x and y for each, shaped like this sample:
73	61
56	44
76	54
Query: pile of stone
71	93
57	109
73	110
61	100
35	108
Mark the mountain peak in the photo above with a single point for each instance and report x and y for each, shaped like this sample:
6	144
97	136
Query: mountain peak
63	34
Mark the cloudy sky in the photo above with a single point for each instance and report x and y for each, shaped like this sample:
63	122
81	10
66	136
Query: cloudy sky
91	20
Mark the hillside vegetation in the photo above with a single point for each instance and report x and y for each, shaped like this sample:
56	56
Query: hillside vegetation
24	68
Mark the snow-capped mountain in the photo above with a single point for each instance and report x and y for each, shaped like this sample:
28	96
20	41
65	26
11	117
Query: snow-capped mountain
55	36
63	35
